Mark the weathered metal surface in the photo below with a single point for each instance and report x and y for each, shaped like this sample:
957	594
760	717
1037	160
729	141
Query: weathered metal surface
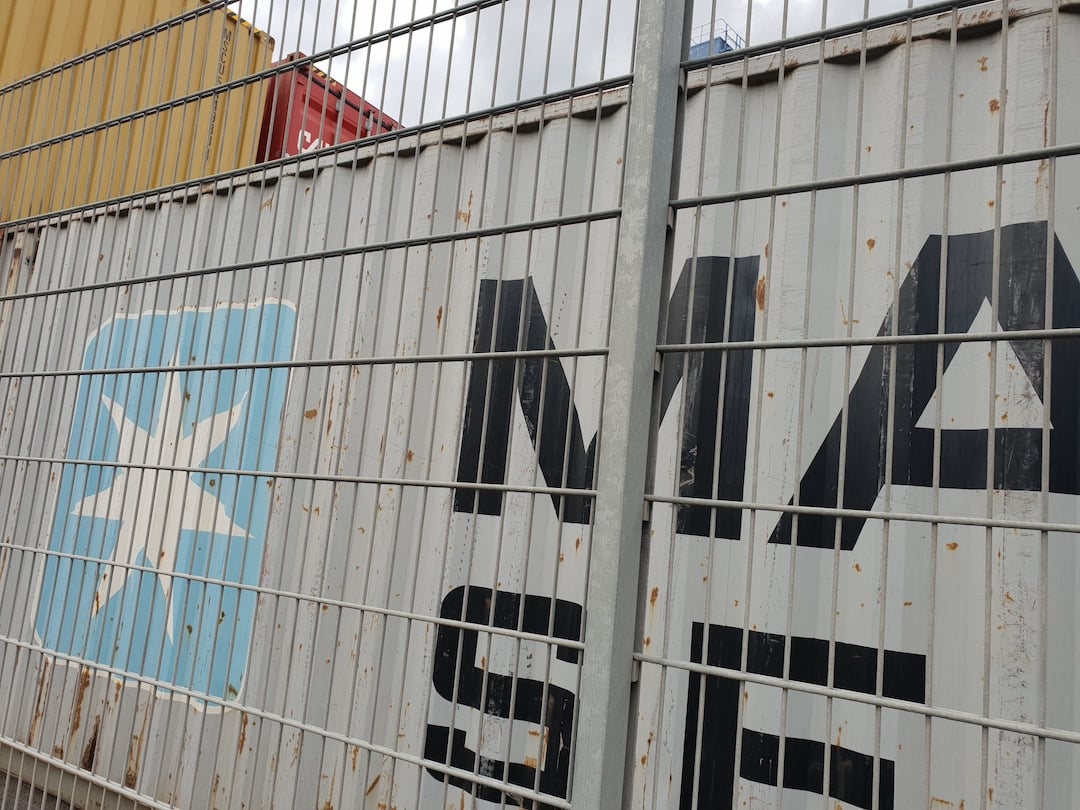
291	626
342	559
971	618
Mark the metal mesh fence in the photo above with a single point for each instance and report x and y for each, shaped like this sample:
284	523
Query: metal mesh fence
520	403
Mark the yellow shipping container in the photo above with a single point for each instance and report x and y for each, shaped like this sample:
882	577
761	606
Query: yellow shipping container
131	147
38	34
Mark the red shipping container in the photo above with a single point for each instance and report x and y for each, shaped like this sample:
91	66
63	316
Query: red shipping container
306	110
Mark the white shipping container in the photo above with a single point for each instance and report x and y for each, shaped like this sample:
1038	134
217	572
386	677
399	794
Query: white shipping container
298	470
261	635
970	621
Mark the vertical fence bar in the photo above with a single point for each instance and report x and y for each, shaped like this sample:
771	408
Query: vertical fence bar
623	455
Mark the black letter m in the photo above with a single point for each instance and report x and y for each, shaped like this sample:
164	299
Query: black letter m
509	318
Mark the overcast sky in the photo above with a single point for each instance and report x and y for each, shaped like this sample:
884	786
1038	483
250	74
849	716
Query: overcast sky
518	49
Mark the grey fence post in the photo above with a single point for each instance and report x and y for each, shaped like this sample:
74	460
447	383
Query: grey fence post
604	718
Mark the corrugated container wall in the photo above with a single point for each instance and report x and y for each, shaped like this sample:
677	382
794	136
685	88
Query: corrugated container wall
906	514
125	139
306	109
394	560
38	34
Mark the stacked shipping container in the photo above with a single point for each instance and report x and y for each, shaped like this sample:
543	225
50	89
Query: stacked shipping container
108	124
306	109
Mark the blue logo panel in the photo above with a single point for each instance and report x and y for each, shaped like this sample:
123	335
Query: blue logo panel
153	547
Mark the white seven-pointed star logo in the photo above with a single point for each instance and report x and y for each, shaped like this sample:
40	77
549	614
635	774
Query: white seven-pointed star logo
153	506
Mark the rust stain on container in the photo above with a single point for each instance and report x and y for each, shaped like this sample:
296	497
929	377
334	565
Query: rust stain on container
466	215
90	751
759	291
952	546
858	568
871	243
654	596
410	456
438	317
80	694
374	781
995	105
311	413
982	60
39	702
243	733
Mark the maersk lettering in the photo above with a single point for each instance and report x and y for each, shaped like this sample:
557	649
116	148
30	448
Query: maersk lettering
458	679
969	286
712	301
509	318
854	668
